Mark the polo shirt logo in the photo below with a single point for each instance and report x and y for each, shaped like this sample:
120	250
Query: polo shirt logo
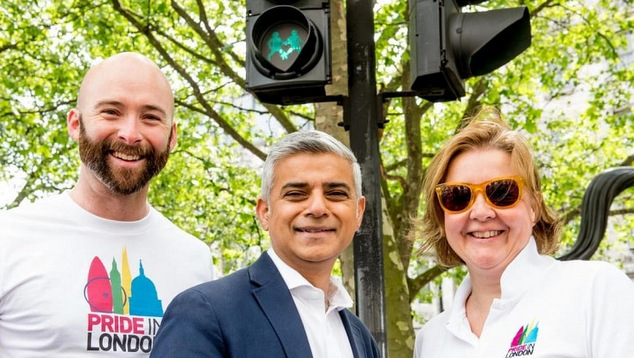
523	343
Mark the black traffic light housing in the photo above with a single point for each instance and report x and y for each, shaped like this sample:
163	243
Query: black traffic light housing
448	46
288	50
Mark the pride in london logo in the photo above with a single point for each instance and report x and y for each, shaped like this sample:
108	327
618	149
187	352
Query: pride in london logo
523	343
125	313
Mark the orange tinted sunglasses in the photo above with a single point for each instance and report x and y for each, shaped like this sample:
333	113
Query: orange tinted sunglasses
500	193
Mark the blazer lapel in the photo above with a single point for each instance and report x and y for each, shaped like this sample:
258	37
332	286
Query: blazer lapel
276	301
354	336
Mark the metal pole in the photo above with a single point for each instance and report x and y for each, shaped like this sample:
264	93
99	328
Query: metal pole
361	112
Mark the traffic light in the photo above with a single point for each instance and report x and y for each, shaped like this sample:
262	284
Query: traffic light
288	50
448	46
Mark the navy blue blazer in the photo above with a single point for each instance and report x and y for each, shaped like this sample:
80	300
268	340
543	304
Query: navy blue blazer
247	314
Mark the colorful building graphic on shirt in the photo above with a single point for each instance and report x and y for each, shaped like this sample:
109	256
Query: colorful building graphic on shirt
523	343
125	313
116	293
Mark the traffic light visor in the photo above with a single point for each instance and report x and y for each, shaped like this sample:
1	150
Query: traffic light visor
484	41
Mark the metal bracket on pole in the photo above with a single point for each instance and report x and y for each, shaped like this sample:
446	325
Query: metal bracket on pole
345	103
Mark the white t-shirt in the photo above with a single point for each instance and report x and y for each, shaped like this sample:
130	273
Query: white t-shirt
76	285
548	308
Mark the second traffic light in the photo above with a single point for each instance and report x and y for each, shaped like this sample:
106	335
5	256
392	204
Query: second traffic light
448	46
288	50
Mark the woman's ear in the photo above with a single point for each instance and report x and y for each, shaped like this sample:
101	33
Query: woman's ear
538	200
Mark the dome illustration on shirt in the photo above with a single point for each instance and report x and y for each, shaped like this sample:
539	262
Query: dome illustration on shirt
144	300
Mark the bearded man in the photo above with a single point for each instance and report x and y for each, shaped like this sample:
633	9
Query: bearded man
89	272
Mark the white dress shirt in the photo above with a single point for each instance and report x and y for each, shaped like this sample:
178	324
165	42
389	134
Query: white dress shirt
324	329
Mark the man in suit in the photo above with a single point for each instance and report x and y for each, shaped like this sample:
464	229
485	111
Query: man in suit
286	304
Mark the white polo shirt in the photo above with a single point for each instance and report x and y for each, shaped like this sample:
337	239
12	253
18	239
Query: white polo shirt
325	331
548	308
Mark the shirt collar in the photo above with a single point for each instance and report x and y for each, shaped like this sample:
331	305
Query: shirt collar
520	275
524	271
338	297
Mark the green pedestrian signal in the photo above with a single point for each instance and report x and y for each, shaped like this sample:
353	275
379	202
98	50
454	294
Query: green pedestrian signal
288	50
284	49
275	45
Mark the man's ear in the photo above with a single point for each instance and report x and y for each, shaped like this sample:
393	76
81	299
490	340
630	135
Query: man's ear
262	212
73	123
173	139
360	211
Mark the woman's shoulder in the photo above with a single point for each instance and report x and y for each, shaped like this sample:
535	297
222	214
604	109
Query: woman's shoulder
589	267
433	324
600	272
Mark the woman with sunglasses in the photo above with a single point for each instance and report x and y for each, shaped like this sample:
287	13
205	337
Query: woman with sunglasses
485	210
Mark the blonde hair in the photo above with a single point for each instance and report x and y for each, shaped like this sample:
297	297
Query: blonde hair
485	130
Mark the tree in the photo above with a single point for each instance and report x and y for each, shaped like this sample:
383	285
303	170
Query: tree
210	185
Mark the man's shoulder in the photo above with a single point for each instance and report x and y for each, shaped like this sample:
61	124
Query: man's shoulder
240	281
229	292
48	206
166	225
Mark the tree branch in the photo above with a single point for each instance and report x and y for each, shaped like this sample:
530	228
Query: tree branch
210	112
417	283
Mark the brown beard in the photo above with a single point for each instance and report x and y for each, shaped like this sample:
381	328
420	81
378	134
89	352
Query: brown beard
123	181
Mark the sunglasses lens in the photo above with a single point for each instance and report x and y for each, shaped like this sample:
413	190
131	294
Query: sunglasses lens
455	197
505	192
